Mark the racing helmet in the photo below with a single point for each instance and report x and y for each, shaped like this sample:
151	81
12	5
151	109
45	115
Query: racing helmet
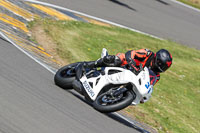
162	61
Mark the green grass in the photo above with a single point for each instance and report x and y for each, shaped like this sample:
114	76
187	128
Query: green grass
194	3
175	103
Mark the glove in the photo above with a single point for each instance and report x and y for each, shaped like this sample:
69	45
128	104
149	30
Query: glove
132	65
109	61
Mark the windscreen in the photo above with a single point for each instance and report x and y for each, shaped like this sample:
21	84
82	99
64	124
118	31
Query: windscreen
153	77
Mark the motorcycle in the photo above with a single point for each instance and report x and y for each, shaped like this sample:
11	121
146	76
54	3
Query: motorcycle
109	89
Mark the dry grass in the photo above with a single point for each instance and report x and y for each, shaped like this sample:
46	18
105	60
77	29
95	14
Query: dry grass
47	43
194	3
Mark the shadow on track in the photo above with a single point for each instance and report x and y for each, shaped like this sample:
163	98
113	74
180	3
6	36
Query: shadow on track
122	4
111	115
163	2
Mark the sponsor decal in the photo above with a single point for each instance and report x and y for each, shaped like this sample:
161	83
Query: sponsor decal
147	85
88	88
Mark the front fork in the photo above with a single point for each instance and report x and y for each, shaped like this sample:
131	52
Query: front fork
119	91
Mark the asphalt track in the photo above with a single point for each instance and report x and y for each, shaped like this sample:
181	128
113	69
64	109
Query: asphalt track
162	18
31	103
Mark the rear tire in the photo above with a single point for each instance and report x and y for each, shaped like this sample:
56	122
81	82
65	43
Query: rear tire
62	79
126	101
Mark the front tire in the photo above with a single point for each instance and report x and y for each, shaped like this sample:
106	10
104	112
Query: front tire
100	105
65	76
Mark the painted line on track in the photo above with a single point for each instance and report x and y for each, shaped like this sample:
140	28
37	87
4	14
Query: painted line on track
131	122
32	47
26	53
17	10
14	22
52	12
185	5
92	17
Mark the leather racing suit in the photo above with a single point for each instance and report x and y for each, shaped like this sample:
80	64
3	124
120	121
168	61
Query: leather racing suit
141	56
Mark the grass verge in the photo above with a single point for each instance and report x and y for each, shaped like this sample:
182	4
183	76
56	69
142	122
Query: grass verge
194	3
174	106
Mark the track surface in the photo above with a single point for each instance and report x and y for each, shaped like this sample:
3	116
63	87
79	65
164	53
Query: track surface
31	103
161	18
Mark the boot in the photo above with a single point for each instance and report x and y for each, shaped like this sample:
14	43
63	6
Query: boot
93	64
106	61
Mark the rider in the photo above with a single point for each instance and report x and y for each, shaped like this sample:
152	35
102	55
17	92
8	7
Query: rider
158	62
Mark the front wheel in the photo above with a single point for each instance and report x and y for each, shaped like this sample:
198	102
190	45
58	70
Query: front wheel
106	103
65	76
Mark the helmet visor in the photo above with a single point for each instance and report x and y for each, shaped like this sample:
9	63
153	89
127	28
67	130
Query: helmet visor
160	65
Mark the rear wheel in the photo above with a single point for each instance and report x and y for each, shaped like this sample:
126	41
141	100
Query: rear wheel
107	102
65	76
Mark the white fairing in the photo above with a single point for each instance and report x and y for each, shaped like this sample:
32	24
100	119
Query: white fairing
140	82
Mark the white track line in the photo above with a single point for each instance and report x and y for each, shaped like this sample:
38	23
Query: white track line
131	122
92	17
185	5
106	21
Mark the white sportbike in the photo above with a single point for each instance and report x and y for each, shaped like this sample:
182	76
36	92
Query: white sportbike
108	88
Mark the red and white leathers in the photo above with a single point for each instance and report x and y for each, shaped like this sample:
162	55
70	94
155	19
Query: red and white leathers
142	56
